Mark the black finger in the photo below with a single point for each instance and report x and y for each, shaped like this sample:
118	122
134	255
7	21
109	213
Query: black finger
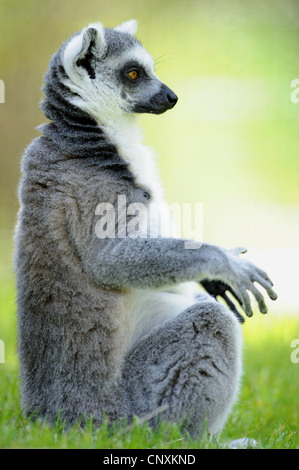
232	307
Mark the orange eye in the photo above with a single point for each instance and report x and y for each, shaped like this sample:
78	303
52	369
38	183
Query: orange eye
133	74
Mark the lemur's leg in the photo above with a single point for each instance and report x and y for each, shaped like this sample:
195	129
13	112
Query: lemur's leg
189	368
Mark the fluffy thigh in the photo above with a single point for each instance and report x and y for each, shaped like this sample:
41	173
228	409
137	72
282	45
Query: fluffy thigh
188	370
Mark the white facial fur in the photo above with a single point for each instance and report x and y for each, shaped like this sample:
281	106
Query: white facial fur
103	97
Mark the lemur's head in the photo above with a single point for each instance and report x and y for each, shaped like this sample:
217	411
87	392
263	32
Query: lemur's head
110	74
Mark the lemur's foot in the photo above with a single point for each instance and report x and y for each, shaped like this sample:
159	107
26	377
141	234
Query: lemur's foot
219	289
243	443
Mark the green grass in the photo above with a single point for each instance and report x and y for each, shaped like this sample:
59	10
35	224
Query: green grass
267	409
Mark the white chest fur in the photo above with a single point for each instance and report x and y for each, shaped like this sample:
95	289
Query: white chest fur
149	308
142	163
128	141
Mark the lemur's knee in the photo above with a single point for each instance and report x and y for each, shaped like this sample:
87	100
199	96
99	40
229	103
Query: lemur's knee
214	320
211	313
190	367
218	329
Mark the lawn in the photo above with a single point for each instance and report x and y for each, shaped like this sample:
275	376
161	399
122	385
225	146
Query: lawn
267	409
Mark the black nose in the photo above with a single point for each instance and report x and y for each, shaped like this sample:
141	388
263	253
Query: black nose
172	98
169	95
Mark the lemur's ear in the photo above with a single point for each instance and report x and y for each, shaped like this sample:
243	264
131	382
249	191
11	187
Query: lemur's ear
128	27
82	48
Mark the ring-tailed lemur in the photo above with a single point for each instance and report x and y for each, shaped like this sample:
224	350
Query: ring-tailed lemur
115	325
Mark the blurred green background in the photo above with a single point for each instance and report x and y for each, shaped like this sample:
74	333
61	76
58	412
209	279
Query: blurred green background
231	142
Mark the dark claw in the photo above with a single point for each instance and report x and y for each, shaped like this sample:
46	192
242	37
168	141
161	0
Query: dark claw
219	289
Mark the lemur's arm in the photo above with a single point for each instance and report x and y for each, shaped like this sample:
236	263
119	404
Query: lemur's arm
154	263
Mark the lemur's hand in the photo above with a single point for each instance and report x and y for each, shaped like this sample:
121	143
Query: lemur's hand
242	275
237	277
